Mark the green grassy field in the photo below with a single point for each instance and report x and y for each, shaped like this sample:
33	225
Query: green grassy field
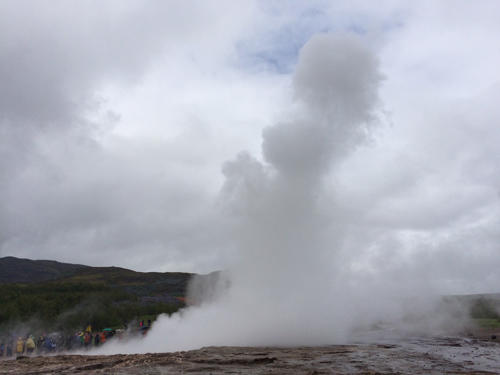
487	322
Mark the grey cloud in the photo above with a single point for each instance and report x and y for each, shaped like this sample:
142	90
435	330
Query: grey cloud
55	54
63	193
428	211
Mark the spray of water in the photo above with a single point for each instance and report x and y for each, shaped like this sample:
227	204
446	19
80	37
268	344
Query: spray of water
289	285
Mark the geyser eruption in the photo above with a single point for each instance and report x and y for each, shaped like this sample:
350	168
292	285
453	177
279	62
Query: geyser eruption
286	278
288	286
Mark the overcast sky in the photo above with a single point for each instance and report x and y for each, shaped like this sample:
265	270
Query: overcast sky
118	118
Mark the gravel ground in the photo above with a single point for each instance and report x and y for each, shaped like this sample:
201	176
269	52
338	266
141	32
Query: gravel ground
403	356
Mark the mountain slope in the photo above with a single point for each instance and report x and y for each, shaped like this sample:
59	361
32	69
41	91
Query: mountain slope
26	271
20	270
64	296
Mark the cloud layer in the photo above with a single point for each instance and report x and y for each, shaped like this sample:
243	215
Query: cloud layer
117	121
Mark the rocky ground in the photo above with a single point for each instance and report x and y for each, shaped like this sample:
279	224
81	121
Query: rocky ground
408	356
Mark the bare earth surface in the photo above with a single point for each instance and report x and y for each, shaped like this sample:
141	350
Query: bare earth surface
409	356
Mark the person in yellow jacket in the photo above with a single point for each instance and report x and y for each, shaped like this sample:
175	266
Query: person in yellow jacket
30	345
20	346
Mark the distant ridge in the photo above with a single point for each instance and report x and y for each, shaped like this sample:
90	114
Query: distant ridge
21	270
67	296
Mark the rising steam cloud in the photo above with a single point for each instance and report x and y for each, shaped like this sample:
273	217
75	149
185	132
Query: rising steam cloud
289	285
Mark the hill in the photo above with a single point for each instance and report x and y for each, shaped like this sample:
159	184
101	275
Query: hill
66	296
20	270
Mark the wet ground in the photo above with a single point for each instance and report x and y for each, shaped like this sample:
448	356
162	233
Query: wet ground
395	356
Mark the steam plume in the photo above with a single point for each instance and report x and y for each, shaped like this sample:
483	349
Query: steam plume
288	285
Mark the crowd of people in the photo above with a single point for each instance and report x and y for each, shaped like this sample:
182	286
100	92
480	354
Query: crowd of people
16	345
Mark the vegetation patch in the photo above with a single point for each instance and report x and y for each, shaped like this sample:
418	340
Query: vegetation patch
103	297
